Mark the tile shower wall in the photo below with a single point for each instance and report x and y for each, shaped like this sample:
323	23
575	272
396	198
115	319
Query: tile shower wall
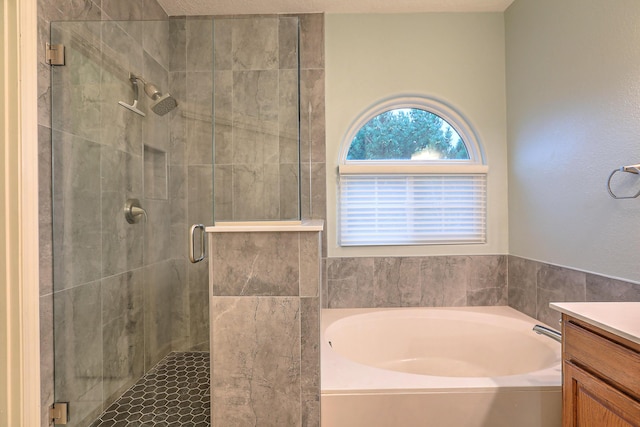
265	328
256	118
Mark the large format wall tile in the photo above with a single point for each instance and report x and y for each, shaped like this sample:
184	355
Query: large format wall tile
288	150
255	187
122	333
487	283
177	44
255	378
310	251
156	41
557	284
255	95
254	44
122	10
447	281
200	195
198	281
178	121
198	109
256	124
122	243
152	10
533	285
417	281
395	281
157	231
312	130
77	250
522	281
444	281
122	54
223	192
312	41
265	338
199	38
255	264
222	42
350	282
318	185
165	310
289	191
78	351
605	289
288	42
310	360
223	116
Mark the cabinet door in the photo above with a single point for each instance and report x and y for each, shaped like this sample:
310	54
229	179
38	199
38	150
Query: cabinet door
591	402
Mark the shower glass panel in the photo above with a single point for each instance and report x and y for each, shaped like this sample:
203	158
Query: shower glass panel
256	119
123	293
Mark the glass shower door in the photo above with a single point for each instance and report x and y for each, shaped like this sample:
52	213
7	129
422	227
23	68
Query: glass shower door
98	257
120	293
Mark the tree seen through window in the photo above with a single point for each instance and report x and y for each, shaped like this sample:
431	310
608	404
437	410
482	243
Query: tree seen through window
407	134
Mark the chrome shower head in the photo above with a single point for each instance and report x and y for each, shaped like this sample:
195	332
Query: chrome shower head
163	103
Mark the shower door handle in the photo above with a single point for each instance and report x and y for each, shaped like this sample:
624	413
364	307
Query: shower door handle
192	243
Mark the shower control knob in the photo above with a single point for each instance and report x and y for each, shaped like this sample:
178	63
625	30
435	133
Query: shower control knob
133	211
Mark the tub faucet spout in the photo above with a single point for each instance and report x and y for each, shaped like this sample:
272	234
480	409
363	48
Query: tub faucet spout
551	333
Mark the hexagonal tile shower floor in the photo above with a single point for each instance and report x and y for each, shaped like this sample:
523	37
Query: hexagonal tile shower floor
174	393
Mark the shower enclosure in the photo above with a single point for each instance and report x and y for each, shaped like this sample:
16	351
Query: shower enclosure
125	296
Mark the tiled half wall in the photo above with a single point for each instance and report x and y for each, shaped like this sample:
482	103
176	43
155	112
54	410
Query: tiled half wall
265	325
441	281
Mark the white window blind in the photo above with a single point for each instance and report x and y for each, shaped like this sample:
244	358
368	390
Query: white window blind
412	209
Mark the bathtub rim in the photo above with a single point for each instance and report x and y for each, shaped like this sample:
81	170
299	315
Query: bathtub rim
340	375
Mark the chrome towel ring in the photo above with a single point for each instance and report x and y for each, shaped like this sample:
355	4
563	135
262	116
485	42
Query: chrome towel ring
634	169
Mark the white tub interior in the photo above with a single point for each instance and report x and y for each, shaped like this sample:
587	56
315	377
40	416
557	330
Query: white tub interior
467	366
442	343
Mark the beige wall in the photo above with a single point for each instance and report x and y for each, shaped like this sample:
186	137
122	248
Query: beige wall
573	90
455	58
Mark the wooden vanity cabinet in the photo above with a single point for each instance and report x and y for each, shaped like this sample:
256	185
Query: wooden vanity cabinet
601	377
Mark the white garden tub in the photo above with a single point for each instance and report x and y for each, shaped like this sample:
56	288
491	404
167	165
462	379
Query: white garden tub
438	367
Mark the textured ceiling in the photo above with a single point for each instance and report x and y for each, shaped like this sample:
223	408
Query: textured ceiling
240	7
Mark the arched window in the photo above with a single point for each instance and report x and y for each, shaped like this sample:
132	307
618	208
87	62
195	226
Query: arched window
411	172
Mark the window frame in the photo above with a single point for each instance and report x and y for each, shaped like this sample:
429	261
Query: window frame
473	166
447	113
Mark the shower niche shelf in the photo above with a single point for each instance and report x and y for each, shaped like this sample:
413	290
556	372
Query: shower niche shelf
155	173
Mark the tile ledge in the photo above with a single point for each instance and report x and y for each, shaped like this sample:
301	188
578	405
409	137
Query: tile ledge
266	226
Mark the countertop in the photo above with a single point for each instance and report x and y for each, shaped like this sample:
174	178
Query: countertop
266	226
620	318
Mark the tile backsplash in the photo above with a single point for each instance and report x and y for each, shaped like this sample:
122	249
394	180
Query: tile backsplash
438	281
533	285
441	281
